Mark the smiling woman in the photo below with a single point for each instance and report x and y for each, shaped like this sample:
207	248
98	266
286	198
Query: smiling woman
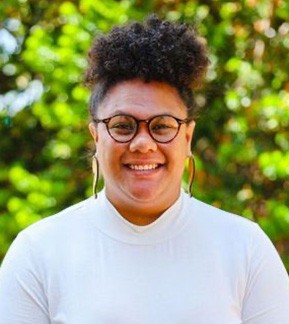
142	250
140	164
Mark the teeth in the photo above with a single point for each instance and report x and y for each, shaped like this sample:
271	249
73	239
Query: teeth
143	167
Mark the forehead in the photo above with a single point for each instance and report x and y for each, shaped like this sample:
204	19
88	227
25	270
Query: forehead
142	100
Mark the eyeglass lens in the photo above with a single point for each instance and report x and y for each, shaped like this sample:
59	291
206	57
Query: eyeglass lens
162	128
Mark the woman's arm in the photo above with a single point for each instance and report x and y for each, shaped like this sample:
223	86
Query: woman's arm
266	299
22	299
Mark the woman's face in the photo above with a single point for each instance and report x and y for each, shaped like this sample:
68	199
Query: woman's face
120	163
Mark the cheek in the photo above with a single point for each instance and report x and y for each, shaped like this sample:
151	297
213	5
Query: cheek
179	148
176	154
109	155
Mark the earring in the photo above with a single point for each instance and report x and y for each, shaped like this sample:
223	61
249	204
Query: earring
191	173
95	169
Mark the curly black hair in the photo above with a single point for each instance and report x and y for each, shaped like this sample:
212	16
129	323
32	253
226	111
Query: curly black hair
156	50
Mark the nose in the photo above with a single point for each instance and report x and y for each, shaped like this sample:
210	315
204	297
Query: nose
143	142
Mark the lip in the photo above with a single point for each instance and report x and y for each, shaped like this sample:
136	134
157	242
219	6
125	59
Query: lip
142	162
144	173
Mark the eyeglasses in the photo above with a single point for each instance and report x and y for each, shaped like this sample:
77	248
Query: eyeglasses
123	128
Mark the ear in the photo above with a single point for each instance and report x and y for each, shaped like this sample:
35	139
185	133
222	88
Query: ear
189	135
93	131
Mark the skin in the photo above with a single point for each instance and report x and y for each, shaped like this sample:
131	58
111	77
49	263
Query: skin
142	196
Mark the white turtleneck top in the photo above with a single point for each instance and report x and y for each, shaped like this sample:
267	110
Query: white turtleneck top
194	264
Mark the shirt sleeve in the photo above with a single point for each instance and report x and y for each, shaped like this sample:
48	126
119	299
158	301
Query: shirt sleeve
22	298
266	299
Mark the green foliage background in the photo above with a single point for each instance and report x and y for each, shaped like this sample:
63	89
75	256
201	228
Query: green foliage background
241	142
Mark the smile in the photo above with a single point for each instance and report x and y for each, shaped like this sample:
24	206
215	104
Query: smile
143	167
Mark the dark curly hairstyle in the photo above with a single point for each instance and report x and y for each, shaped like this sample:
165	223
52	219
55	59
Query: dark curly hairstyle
156	50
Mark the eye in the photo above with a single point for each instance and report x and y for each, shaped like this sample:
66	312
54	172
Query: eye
161	126
124	126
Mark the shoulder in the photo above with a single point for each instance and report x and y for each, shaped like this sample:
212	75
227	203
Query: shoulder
64	223
239	242
209	213
222	225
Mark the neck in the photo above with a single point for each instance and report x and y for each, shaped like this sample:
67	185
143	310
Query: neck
141	213
135	217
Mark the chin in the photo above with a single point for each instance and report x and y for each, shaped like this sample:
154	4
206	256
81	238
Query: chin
143	194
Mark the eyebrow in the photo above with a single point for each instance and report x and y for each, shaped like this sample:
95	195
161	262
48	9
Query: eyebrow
121	112
118	111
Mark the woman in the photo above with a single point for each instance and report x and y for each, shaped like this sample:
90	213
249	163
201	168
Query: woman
141	250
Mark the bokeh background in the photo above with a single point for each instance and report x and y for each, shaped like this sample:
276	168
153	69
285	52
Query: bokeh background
241	142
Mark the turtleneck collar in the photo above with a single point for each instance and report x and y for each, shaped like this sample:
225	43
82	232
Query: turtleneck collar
111	223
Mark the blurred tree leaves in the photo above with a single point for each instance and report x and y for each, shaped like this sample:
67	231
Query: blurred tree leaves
241	141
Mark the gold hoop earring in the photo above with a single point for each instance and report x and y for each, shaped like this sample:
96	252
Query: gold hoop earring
95	169
192	170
